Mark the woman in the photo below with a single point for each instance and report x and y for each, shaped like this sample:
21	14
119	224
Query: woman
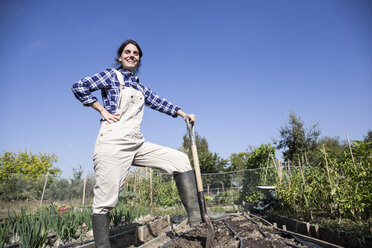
120	142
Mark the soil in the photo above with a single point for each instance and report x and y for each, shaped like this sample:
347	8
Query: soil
244	226
252	232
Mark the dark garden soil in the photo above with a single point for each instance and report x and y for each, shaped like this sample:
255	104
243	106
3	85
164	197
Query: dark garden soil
245	227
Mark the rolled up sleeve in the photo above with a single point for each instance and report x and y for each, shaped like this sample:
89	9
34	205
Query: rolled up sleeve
159	103
83	88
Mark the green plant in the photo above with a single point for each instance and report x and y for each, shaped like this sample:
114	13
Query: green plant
262	170
226	197
164	192
4	232
208	198
340	188
254	197
117	215
66	223
33	229
126	197
86	217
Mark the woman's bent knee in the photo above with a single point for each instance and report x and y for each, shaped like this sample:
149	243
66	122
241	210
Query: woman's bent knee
184	162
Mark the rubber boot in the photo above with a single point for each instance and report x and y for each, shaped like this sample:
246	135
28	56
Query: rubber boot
101	223
186	186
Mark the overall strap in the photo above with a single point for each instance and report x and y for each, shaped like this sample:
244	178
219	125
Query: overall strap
119	76
122	84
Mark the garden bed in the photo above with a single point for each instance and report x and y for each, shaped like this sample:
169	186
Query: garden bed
235	231
337	237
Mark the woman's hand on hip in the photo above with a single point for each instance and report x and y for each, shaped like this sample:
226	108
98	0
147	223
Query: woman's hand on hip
105	114
109	117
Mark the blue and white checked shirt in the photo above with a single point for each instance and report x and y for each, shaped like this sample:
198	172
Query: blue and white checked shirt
109	85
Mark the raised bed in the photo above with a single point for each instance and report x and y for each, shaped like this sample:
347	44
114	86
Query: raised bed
236	230
245	230
135	236
340	238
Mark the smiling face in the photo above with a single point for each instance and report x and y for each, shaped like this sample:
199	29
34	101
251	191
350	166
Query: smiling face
130	57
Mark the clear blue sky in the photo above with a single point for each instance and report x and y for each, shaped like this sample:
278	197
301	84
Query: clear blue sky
240	66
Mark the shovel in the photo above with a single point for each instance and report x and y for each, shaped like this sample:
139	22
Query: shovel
199	184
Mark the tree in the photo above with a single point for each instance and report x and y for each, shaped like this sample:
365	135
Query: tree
260	157
77	182
368	137
251	159
295	139
238	161
334	148
209	162
28	164
22	174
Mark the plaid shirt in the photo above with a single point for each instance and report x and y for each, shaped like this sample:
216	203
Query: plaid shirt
109	85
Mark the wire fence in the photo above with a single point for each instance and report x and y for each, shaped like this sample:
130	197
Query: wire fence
143	185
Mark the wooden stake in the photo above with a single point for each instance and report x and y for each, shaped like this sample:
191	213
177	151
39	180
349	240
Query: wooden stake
280	172
288	174
302	160
284	227
151	187
317	235
85	184
135	180
307	161
127	182
45	184
308	229
325	157
302	174
351	151
267	167
272	157
134	185
289	169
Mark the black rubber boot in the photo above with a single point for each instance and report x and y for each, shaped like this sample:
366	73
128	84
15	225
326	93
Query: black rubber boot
101	223
186	186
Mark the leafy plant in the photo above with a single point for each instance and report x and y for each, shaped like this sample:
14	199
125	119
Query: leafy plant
226	197
117	215
208	198
66	223
340	188
33	229
4	232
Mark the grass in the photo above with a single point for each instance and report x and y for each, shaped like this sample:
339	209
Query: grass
171	211
34	205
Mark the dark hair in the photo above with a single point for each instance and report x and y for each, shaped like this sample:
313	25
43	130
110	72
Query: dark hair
121	49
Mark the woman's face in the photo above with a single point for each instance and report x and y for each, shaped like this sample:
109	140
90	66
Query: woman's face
129	57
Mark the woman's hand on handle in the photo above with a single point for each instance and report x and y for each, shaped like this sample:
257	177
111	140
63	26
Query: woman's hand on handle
105	114
192	117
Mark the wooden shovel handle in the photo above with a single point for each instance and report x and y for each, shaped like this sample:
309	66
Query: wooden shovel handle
195	157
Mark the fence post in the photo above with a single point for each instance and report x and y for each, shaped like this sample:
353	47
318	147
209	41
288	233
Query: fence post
151	187
135	185
85	184
351	151
280	172
45	184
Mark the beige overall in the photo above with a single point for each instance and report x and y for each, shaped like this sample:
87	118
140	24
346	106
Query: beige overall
121	144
